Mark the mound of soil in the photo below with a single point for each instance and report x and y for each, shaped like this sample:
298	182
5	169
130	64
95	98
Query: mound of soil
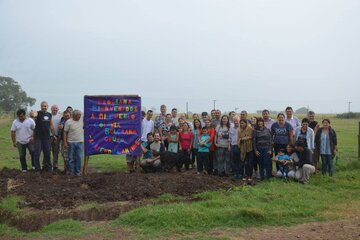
44	192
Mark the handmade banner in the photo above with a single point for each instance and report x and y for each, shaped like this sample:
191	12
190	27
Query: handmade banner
112	124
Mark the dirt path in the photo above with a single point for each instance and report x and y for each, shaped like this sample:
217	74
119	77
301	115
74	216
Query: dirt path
346	229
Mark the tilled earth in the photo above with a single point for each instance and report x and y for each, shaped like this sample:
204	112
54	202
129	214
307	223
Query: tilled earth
56	196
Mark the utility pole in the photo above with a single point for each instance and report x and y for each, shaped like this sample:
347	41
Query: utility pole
348	109
214	103
349	106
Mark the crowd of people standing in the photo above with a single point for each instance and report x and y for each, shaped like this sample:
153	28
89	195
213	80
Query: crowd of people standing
216	144
225	145
49	133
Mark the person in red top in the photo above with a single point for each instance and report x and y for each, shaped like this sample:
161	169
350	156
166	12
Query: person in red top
211	132
186	138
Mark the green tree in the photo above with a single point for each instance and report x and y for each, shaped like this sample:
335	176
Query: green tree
12	97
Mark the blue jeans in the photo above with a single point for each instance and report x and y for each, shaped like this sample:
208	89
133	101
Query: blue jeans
237	163
75	154
327	164
265	163
22	153
284	170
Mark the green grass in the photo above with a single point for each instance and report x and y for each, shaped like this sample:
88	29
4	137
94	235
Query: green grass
6	231
9	156
272	203
66	228
11	204
107	163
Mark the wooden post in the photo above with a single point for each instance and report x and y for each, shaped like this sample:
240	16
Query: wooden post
85	167
359	142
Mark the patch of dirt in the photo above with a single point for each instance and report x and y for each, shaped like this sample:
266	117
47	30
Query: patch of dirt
56	196
345	229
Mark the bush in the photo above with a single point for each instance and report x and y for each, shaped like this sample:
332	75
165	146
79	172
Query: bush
348	115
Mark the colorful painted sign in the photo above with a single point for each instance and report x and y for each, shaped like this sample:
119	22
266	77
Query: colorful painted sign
112	125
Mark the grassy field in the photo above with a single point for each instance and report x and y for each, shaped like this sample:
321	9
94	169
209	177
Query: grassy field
271	203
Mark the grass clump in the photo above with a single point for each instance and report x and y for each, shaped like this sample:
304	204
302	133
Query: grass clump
11	204
66	228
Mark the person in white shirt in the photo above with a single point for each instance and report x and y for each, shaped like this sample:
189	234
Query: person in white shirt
147	125
55	145
291	119
22	136
73	140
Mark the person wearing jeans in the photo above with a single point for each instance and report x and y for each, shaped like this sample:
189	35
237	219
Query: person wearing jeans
326	144
75	153
262	142
22	136
73	141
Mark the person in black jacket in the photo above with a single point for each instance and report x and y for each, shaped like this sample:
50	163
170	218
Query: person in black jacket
305	165
326	145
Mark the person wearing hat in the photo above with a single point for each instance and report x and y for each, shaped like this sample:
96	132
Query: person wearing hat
305	165
204	116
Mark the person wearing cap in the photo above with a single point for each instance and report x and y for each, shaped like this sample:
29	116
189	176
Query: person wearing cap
204	116
305	165
305	134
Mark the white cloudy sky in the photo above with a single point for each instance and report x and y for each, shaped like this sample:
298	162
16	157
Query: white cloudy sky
250	54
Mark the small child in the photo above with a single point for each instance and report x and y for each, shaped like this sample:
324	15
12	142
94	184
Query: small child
173	139
282	158
203	152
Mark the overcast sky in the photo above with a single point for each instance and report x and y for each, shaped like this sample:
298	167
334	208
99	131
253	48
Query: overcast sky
244	54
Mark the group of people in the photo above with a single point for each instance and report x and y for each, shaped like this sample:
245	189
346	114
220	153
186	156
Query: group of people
217	144
49	133
230	144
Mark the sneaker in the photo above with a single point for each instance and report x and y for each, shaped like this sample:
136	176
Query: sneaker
244	178
24	171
